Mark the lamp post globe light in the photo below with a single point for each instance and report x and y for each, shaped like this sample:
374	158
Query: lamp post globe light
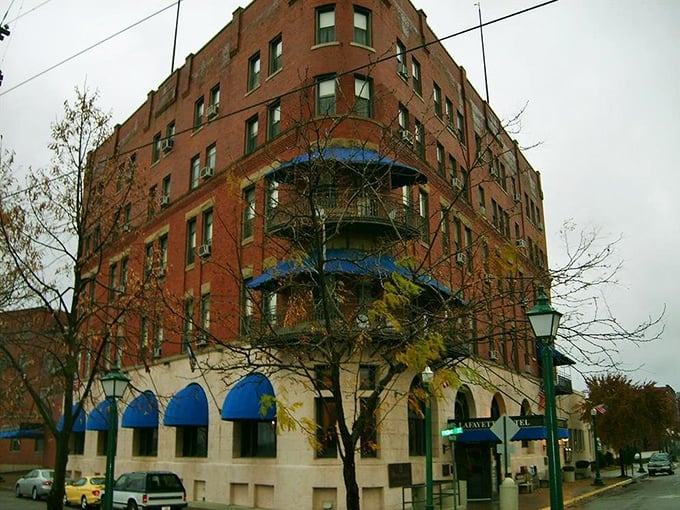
114	385
427	376
598	478
545	321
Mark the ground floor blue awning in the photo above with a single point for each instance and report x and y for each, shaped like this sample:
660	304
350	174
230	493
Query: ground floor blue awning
187	408
142	412
400	173
23	433
100	416
246	400
79	422
351	262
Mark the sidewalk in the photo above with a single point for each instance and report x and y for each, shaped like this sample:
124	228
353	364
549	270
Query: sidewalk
572	492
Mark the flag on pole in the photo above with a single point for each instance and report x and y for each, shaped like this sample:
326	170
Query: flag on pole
541	397
601	409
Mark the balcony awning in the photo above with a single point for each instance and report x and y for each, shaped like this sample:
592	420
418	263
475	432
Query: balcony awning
559	359
99	417
79	422
344	262
244	400
400	173
23	433
188	407
142	412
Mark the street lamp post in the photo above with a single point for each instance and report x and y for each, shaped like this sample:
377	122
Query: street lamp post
427	375
598	479
114	385
544	321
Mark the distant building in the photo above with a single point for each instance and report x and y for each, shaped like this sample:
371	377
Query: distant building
308	139
26	339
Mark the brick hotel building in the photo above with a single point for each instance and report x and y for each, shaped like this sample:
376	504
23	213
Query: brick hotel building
317	155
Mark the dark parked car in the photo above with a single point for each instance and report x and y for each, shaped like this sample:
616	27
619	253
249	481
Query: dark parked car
157	490
660	463
36	483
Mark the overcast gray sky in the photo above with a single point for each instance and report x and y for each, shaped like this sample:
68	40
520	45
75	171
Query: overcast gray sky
600	78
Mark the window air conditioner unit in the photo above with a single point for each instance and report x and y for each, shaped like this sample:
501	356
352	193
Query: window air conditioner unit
516	197
164	200
402	70
167	144
482	211
521	243
493	355
540	226
407	136
493	171
156	352
204	250
201	340
206	172
126	227
528	369
457	183
461	258
212	111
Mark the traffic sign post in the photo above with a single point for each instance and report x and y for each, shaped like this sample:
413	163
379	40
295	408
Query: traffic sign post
452	433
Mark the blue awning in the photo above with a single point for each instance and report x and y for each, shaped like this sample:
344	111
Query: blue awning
79	422
189	407
559	359
345	262
401	174
534	433
99	417
23	433
142	412
244	400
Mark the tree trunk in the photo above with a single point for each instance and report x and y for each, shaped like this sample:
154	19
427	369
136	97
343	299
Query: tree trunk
349	474
55	499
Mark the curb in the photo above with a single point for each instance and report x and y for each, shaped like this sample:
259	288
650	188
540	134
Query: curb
594	493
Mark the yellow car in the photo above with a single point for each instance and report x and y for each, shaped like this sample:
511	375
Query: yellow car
86	491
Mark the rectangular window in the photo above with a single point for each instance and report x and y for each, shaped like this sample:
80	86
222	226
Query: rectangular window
113	277
191	241
457	234
199	107
402	68
254	71
143	337
187	323
424	210
448	111
325	95
247	308
251	134
195	172
158	339
325	24
274	120
272	200
460	126
362	26
163	254
362	97
211	157
123	275
207	227
156	148
248	212
482	200
257	438
275	54
165	191
369	432
191	441
145	442
415	72
437	98
468	247
419	135
148	260
150	208
215	96
441	166
326	419
446	241
269	308
205	311
169	141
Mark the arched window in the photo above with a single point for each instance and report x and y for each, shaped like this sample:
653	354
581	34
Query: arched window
416	418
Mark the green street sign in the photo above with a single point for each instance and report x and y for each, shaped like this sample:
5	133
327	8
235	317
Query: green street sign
451	432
